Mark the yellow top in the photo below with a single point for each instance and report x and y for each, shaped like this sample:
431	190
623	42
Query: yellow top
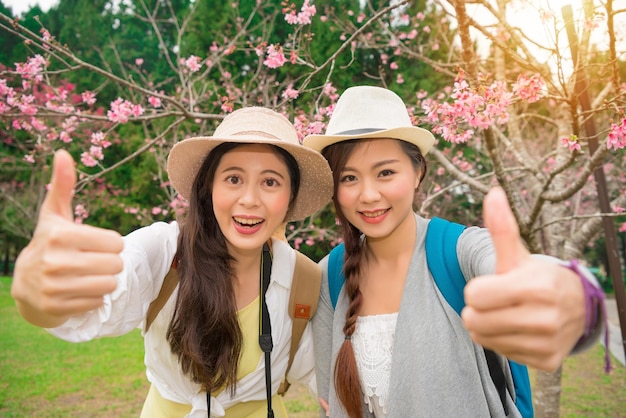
156	406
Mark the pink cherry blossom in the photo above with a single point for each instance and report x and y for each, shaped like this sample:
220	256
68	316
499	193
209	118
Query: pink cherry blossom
331	91
290	93
260	49
31	69
154	101
193	63
87	159
37	124
482	108
617	136
45	35
571	143
80	213
307	11
227	106
275	57
122	109
529	88
88	97
291	17
99	139
139	62
6	90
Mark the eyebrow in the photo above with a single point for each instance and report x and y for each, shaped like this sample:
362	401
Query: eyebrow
377	165
239	169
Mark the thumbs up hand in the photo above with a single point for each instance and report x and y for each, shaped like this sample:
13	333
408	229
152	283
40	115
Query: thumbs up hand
66	268
531	310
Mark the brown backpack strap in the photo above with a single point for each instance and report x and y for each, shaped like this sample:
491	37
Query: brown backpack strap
167	288
305	292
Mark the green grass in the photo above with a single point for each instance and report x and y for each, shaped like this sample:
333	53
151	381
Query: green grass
43	376
587	391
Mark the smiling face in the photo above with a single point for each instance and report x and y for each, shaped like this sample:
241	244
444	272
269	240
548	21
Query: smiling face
251	195
377	186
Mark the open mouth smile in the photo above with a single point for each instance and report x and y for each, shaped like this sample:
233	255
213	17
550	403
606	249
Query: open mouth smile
248	222
374	214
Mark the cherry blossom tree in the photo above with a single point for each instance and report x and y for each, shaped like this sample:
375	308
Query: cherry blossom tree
502	104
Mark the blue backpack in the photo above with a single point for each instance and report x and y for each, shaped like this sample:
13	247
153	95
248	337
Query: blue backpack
441	257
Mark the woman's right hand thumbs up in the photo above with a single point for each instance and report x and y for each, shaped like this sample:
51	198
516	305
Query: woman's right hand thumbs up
67	268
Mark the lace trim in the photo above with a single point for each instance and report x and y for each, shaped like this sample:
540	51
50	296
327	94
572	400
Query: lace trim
373	343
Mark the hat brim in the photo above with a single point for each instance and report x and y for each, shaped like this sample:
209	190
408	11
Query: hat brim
413	134
316	182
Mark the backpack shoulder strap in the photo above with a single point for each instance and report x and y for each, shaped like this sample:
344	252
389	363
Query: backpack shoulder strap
523	391
336	277
443	263
305	292
169	284
442	260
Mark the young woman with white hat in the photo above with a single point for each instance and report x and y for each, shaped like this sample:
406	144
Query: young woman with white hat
390	344
202	349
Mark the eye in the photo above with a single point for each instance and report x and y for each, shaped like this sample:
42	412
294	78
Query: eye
347	178
386	172
271	182
233	179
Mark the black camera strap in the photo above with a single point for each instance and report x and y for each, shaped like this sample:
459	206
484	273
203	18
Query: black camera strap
265	331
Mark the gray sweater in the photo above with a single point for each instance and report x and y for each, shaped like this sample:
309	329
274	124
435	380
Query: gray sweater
436	371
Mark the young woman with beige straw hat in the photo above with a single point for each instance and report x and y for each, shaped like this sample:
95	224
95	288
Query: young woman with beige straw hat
202	350
389	342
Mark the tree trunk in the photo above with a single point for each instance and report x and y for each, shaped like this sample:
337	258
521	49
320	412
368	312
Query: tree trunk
547	401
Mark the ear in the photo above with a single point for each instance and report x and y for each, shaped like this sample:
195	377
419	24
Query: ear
418	176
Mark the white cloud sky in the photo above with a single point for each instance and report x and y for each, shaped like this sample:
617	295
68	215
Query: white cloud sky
20	6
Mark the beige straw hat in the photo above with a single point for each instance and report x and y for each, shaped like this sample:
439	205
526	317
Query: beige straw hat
370	112
256	125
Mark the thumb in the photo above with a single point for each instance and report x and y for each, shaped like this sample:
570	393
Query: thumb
504	231
58	200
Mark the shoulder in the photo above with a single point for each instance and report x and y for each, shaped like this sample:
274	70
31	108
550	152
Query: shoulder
283	262
157	230
475	251
153	242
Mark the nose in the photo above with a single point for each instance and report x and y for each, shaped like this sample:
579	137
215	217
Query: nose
369	192
249	196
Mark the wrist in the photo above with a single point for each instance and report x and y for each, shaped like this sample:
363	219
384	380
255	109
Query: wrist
595	310
593	296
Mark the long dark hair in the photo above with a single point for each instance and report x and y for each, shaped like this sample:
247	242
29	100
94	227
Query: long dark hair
346	372
204	331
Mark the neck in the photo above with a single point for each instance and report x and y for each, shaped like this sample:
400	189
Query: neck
247	270
395	245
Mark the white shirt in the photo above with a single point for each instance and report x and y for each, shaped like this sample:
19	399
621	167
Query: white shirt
147	255
373	349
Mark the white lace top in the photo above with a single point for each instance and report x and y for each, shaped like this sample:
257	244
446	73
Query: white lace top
373	341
